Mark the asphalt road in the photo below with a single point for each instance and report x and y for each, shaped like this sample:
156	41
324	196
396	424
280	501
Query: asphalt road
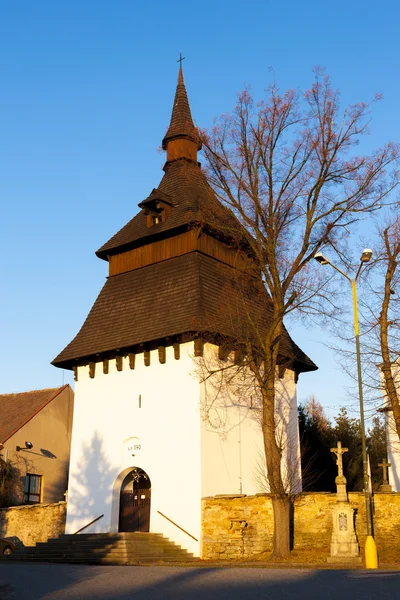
20	581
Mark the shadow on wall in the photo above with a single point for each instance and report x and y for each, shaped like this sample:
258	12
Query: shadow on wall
90	489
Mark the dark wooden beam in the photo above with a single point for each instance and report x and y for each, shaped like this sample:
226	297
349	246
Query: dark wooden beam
223	352
198	347
105	366
92	370
177	351
118	363
238	356
132	358
161	354
146	355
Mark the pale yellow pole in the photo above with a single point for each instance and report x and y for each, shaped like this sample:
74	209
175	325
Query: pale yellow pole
371	554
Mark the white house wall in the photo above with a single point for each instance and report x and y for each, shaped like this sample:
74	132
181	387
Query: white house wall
167	426
288	431
392	438
187	448
233	460
393	448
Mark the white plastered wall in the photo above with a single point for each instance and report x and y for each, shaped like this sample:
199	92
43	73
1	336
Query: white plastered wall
187	451
233	460
393	449
167	425
392	438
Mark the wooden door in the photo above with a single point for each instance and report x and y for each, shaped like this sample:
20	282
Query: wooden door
134	511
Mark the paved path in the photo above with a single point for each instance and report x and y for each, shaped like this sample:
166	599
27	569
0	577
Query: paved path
20	581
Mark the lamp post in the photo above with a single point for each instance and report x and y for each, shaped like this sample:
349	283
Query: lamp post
371	556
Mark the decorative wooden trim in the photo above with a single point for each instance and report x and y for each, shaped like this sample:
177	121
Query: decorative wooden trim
177	351
118	363
296	376
177	245
223	352
105	366
132	358
75	370
281	371
198	347
92	370
161	354
238	356
146	356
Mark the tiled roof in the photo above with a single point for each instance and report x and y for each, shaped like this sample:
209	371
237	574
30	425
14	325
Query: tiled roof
17	409
189	293
181	124
194	203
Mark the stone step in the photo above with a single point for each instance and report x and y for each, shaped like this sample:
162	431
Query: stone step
102	560
108	543
114	552
106	550
120	548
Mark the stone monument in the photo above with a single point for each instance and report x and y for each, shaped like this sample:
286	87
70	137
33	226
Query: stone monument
344	545
385	487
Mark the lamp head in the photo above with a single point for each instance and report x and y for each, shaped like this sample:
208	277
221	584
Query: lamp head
319	257
366	255
28	446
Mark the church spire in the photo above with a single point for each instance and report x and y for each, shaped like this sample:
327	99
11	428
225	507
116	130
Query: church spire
181	139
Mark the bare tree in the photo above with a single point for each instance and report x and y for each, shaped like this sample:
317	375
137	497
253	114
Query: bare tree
380	317
389	317
288	170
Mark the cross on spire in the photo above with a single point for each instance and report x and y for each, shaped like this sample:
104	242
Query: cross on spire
181	58
339	451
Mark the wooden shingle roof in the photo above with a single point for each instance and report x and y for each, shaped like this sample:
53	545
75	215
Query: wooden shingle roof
181	124
186	295
189	293
195	203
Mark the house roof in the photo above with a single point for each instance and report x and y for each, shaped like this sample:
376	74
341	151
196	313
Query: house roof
17	409
189	293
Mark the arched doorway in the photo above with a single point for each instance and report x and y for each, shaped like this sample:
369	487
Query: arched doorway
134	502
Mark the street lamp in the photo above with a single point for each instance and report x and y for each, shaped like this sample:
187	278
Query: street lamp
371	557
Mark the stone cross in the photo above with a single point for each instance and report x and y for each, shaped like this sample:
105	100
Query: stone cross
339	451
385	465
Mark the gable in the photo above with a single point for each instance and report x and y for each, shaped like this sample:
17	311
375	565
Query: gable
17	409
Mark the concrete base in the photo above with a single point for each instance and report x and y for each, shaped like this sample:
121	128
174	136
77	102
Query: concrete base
385	487
349	560
344	545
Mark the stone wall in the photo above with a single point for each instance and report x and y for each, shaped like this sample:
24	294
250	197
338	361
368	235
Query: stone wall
33	523
236	527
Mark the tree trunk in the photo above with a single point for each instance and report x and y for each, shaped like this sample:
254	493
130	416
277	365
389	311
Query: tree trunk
281	508
273	456
389	383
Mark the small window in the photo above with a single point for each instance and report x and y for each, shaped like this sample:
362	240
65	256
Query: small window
156	219
33	488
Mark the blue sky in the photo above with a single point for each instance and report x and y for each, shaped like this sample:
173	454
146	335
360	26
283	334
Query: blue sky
85	98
